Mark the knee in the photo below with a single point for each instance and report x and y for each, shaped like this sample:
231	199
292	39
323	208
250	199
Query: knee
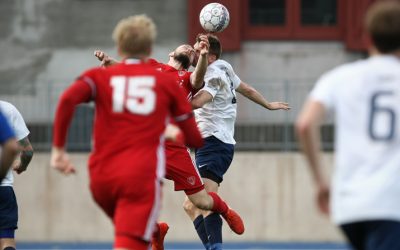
188	206
201	202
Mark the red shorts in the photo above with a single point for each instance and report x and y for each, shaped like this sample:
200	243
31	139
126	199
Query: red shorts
132	204
181	169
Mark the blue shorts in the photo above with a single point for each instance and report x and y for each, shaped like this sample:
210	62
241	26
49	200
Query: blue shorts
8	212
373	235
214	158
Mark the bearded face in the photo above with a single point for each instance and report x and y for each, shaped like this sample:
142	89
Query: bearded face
185	55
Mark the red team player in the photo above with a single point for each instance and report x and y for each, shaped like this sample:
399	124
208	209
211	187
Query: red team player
133	103
180	167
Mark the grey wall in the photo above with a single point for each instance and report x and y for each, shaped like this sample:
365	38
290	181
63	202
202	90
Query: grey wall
273	193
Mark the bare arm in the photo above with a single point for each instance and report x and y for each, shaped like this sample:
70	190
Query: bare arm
105	59
21	164
255	96
60	161
200	99
308	131
9	152
197	77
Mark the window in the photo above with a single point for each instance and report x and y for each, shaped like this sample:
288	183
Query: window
287	20
317	12
270	12
293	19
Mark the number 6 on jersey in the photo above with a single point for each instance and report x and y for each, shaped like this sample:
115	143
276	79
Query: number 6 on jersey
133	93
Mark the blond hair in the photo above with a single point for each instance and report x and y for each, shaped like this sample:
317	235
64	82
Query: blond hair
135	35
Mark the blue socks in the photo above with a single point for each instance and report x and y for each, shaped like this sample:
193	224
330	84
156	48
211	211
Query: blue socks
213	225
201	231
209	230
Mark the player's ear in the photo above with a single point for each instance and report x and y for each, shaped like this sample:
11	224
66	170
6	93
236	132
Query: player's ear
211	58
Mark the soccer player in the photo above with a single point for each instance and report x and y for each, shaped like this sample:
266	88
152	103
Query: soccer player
9	147
215	106
364	97
133	104
8	202
180	167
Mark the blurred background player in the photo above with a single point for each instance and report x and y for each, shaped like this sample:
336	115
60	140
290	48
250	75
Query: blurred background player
8	201
215	106
133	103
9	147
365	98
180	167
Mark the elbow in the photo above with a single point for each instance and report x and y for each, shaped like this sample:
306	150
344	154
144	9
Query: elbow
28	154
196	105
303	128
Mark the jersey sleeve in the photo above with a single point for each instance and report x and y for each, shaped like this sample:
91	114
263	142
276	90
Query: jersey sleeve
323	91
6	132
17	123
182	113
82	90
212	83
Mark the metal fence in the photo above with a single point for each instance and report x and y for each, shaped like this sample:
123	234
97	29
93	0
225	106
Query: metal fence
256	128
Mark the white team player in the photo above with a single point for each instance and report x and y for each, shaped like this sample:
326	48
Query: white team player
8	202
215	112
364	97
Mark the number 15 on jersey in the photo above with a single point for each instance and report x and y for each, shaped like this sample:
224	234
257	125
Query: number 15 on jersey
134	94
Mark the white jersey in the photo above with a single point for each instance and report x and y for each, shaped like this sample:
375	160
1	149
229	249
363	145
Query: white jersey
365	98
218	117
17	123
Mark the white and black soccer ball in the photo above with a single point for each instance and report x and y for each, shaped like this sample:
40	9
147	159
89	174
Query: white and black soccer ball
214	17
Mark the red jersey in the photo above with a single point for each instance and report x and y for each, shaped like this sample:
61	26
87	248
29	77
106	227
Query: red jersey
133	103
182	77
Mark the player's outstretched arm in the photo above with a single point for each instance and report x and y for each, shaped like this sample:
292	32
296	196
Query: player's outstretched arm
105	59
255	96
307	128
21	164
197	77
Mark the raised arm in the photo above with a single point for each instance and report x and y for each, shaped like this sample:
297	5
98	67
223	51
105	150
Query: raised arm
25	157
255	96
197	77
105	59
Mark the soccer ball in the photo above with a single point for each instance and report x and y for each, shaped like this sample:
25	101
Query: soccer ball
214	17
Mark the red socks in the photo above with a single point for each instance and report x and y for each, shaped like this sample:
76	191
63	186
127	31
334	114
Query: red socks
219	206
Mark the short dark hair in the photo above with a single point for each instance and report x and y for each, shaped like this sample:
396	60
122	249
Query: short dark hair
383	25
215	45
